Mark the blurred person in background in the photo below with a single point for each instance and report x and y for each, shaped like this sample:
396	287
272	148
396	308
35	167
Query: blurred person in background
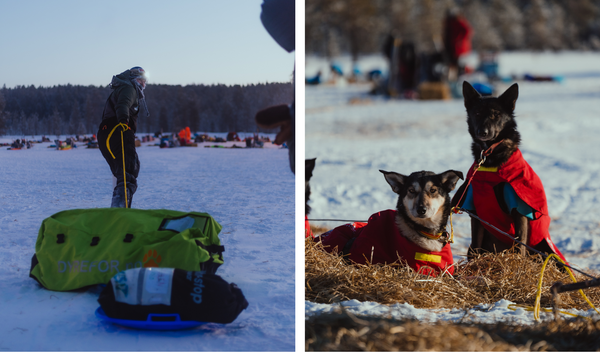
457	41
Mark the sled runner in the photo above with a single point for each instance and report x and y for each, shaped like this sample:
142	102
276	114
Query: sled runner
154	322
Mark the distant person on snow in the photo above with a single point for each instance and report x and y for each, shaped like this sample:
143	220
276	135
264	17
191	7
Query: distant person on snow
457	41
182	137
120	116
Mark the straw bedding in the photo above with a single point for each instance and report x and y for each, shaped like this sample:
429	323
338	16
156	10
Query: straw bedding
486	279
342	332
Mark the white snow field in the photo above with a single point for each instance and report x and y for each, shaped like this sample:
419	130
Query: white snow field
353	135
250	192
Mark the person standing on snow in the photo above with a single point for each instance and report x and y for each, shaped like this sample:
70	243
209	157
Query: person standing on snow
120	119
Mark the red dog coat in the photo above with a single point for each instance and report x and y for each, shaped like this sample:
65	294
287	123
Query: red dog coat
307	231
528	186
380	241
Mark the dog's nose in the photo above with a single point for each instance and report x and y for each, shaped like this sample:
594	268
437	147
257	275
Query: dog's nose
421	210
482	132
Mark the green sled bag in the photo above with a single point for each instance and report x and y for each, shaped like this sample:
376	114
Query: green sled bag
83	247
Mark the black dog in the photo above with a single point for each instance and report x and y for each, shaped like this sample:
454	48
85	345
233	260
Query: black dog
309	166
504	191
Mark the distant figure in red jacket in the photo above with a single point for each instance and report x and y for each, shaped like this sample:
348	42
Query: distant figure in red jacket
457	41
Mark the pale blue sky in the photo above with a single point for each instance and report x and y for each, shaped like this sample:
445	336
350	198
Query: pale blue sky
86	42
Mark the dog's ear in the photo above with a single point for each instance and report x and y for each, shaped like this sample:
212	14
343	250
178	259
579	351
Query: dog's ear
508	99
450	178
309	166
394	179
470	94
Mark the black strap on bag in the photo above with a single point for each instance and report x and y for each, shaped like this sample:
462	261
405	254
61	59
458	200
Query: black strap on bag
210	266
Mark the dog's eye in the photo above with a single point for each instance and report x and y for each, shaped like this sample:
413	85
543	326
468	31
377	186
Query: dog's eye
411	191
433	190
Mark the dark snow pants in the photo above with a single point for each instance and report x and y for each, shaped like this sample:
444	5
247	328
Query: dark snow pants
132	163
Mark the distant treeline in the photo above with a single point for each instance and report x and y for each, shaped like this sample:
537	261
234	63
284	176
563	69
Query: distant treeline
335	27
71	110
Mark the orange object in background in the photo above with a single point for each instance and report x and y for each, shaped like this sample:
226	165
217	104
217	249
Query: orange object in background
188	134
185	136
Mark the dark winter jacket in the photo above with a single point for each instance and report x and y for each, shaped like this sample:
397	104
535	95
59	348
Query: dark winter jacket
123	102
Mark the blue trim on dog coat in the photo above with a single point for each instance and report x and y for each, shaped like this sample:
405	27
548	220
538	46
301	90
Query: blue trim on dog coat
511	199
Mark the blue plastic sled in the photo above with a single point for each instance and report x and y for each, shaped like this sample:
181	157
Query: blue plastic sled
483	88
150	323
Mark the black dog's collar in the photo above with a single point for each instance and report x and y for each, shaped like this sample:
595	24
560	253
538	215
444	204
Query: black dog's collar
485	152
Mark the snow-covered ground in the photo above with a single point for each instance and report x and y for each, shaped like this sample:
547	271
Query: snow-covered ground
502	310
353	135
250	192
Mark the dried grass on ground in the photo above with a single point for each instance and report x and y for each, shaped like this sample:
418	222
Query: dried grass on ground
486	279
318	230
343	331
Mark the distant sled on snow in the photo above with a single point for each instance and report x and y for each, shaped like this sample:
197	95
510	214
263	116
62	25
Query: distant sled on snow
19	144
66	145
224	147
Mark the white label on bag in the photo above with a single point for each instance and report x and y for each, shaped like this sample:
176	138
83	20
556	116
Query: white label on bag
143	286
124	286
157	286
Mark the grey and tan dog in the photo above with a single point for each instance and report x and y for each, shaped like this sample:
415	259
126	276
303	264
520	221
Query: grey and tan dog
423	205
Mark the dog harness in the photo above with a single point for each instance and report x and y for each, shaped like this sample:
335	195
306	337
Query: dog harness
528	187
380	241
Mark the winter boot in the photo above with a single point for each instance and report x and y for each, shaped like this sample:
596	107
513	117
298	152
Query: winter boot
118	198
